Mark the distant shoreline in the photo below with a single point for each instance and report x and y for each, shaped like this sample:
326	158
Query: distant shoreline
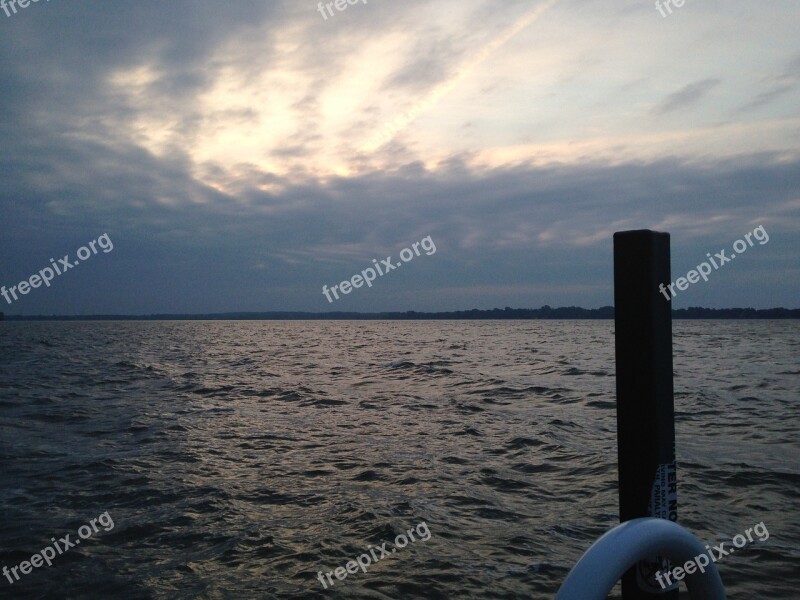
544	313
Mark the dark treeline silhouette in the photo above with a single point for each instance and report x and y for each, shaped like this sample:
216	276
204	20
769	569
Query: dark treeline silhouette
545	312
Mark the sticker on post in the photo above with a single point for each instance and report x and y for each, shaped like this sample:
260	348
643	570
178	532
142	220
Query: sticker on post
663	504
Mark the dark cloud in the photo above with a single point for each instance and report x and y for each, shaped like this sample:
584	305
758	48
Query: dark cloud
430	66
218	236
518	236
686	96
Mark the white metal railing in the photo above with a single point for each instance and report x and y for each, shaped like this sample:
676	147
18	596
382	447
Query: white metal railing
604	563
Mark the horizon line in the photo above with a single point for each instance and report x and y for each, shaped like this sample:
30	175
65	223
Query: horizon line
545	312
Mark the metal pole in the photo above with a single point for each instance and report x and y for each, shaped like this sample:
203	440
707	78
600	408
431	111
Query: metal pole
645	411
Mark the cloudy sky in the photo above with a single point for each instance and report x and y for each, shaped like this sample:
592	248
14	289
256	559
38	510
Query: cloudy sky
241	154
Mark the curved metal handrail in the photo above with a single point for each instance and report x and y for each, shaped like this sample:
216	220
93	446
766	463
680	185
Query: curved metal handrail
604	563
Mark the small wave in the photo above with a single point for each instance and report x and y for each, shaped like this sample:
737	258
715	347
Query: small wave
468	431
326	402
524	442
399	364
369	475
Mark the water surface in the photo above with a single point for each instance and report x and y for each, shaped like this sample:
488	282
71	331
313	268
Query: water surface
238	459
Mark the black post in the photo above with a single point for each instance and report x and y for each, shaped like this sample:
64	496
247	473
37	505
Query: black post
645	411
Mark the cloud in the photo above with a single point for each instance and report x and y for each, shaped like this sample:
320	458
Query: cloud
687	96
777	86
386	133
503	229
217	144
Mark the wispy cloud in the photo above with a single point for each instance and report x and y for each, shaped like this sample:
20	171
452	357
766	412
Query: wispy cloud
396	125
778	85
686	96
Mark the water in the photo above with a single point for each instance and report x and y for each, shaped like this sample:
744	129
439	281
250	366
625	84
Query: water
239	459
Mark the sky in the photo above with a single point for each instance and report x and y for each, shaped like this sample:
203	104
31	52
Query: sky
240	155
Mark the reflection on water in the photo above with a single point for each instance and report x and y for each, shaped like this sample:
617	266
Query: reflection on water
239	459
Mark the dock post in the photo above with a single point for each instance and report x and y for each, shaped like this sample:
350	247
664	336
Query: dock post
645	409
